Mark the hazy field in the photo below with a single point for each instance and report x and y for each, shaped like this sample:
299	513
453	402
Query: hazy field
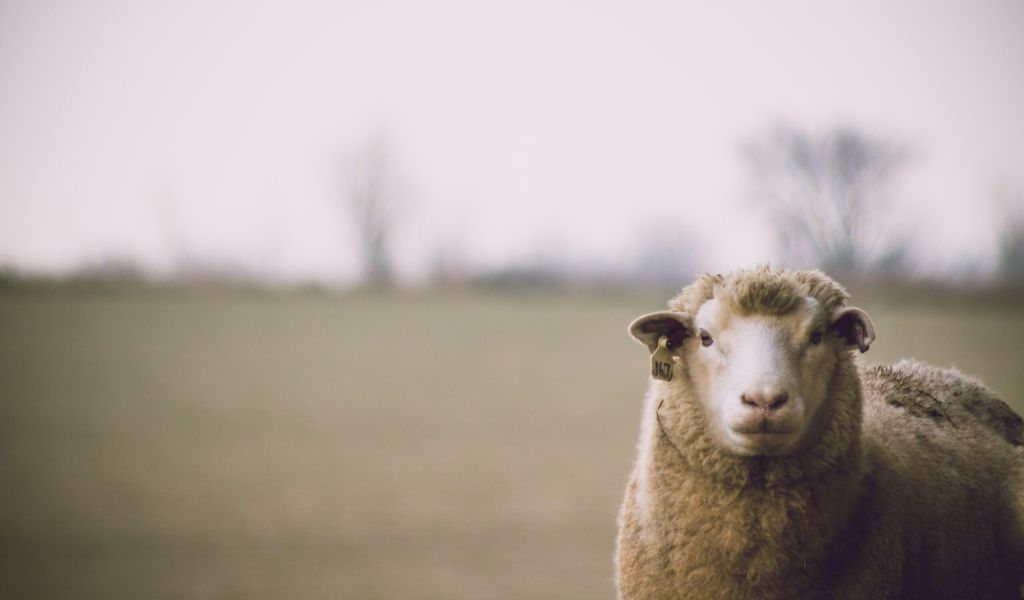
449	446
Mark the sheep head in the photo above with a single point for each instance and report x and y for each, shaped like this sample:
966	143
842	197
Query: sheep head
757	350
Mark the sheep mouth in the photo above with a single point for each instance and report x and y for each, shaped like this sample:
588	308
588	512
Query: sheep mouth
763	435
763	428
761	441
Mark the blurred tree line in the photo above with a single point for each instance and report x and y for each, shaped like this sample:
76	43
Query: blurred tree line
828	198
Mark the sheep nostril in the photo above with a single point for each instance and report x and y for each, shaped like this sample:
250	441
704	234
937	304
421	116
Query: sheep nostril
765	402
778	401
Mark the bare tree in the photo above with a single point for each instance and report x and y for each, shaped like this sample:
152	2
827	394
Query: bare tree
829	197
371	198
1010	266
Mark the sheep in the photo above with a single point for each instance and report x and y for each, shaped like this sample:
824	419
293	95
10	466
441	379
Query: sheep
771	464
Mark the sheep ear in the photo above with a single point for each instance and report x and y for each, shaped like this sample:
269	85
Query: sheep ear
854	325
648	329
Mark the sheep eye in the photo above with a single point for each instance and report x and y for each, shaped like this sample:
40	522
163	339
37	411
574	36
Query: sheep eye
816	337
705	338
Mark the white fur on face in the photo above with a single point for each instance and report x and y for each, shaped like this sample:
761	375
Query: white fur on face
762	380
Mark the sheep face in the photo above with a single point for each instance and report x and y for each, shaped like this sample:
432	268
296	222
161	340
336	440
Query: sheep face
761	379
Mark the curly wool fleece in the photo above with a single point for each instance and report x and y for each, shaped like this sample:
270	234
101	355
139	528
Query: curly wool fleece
914	489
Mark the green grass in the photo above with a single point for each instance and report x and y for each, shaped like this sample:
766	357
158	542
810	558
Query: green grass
166	445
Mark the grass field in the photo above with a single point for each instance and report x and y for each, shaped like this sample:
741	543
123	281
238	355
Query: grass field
451	446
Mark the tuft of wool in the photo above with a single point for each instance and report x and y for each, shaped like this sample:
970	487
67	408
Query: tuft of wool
761	290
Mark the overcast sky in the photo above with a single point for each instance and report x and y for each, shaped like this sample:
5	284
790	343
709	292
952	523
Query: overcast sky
157	130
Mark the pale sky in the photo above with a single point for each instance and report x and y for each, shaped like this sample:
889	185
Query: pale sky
157	130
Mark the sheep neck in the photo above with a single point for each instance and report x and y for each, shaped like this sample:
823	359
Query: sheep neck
761	519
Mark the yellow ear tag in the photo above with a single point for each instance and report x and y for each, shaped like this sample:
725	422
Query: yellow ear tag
661	361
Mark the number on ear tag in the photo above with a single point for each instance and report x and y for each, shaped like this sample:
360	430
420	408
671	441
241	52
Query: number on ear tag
661	361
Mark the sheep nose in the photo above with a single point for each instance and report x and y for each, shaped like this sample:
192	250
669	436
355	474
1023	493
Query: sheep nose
766	400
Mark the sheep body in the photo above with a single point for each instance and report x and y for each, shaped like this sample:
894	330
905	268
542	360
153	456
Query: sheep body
914	488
